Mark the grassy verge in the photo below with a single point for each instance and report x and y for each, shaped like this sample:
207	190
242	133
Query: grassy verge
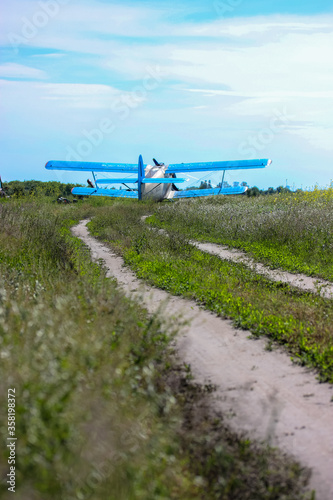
290	231
301	321
101	411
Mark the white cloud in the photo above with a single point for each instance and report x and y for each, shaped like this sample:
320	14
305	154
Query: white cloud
13	70
83	97
274	96
240	28
91	96
297	62
318	136
71	20
52	55
89	26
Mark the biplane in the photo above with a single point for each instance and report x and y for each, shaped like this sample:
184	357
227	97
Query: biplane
158	181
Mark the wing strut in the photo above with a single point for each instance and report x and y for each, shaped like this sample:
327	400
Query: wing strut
141	174
93	174
222	181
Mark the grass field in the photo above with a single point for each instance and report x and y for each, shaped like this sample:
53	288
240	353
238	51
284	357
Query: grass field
301	321
292	231
101	410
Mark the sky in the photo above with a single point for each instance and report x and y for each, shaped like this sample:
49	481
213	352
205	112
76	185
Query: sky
185	81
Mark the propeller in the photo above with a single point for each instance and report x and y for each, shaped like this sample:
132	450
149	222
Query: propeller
157	164
173	176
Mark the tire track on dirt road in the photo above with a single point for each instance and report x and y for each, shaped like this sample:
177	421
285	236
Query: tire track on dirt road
297	280
260	392
301	281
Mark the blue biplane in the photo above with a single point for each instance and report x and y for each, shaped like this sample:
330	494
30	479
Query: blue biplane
157	182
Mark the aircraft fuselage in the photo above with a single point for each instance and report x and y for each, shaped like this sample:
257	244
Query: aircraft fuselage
156	190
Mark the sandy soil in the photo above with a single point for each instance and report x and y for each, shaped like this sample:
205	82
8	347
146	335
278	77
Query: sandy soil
301	281
325	288
260	392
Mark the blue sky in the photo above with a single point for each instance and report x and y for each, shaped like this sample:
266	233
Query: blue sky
185	81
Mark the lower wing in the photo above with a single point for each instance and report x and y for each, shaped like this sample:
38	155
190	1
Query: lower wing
113	193
196	193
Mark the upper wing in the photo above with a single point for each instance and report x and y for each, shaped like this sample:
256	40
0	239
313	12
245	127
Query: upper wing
113	193
196	193
82	166
217	165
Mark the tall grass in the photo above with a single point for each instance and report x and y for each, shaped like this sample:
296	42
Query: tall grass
101	411
293	231
301	321
85	364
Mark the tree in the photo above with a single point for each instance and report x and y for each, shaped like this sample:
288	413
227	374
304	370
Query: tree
282	189
254	191
205	185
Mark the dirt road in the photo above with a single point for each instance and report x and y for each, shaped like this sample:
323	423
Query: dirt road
316	285
261	392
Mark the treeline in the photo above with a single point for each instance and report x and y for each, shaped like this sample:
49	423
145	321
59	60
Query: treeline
54	189
255	191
